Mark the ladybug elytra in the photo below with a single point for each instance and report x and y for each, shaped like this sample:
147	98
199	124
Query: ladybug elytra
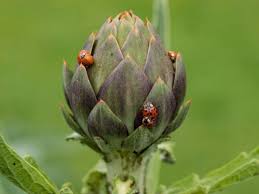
85	58
149	115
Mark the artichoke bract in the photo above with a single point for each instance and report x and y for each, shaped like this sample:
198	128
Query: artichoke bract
130	94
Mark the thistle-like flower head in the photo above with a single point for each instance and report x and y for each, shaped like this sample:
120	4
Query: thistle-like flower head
127	90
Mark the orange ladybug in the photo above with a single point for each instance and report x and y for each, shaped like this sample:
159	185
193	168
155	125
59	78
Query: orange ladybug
149	115
85	58
172	55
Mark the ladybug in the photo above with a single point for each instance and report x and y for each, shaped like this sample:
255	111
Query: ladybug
172	55
149	115
85	58
146	121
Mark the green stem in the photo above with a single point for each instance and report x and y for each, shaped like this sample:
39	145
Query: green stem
161	20
127	172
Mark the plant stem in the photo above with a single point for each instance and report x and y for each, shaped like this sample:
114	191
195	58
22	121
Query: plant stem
127	172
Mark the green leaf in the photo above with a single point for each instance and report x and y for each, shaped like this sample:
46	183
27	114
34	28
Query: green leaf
2	190
66	189
22	173
33	162
83	140
166	152
161	20
95	181
245	166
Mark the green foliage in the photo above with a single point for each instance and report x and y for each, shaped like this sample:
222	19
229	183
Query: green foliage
166	151
23	173
66	189
96	181
245	166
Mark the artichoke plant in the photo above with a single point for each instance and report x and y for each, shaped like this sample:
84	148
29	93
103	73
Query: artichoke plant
129	94
126	93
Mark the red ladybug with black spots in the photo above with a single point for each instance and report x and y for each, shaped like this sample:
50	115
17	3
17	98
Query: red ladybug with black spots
149	114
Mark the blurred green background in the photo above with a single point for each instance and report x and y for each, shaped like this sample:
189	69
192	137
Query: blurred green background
218	39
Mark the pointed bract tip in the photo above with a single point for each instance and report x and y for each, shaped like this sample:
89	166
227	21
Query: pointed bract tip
125	14
135	30
178	55
152	38
110	36
93	34
146	21
100	101
159	79
127	57
61	106
131	12
189	102
81	67
109	20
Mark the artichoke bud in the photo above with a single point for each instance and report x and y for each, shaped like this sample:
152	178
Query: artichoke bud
127	90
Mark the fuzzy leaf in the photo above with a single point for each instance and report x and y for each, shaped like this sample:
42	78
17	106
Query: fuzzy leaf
245	166
83	140
166	152
22	173
66	189
161	20
33	162
95	181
